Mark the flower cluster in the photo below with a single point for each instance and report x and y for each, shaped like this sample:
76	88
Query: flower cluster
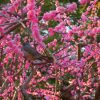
62	58
31	15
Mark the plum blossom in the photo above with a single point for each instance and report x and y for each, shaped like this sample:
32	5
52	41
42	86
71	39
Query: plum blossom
47	97
31	14
51	31
84	17
61	28
60	46
71	7
60	9
31	1
50	15
83	2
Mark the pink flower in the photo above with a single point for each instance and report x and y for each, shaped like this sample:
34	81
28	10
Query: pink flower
36	33
79	75
49	71
60	28
30	7
84	18
39	73
12	1
10	79
71	7
98	30
60	9
51	32
68	37
1	30
54	43
73	92
58	17
31	15
27	65
49	15
14	6
7	50
83	2
30	1
47	98
11	9
19	95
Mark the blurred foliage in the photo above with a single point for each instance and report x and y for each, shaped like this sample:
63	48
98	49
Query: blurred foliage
4	1
48	5
52	23
98	7
98	38
66	1
51	80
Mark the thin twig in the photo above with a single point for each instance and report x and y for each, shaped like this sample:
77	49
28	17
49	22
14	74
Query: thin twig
79	51
3	86
60	50
62	57
7	24
28	79
23	87
5	82
12	28
15	95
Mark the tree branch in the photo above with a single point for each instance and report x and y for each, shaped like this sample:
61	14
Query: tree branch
23	87
12	28
79	51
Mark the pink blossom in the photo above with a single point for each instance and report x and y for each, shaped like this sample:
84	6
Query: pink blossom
12	1
10	79
47	97
62	47
54	43
60	9
84	18
58	18
15	6
27	65
73	92
71	7
30	7
31	15
98	30
51	31
50	15
83	2
79	75
11	9
36	33
61	28
30	1
49	71
67	37
39	73
1	30
19	95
